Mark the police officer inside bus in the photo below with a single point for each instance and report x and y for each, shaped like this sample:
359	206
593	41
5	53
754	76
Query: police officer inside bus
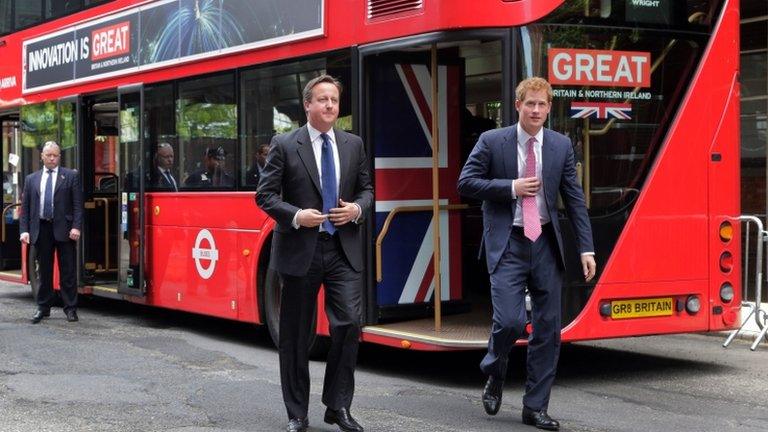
213	174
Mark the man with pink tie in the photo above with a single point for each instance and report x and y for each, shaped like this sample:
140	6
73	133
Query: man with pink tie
517	172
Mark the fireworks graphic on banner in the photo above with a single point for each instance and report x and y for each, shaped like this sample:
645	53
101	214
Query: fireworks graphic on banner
196	27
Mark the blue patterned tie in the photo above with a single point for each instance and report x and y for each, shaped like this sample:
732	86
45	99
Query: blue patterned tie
48	199
328	181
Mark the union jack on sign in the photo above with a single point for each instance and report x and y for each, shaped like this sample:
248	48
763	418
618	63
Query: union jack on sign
601	110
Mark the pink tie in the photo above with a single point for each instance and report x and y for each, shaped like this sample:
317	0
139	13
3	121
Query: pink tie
531	220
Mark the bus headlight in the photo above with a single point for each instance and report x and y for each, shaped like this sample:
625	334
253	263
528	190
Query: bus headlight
726	292
692	304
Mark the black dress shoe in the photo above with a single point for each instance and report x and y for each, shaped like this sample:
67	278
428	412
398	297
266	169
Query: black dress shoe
297	425
39	315
492	395
343	419
540	419
72	316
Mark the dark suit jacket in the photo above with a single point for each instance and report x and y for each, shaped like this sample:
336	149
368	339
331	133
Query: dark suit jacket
290	182
488	176
158	181
67	205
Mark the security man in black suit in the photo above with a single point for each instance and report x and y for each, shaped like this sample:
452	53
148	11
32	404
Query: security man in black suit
51	219
317	187
162	177
260	159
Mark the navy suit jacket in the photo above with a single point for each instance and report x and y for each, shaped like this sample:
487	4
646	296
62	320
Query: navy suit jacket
290	182
67	205
488	176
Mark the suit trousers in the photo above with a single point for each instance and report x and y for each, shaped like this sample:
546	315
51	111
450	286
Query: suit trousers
537	266
46	245
298	302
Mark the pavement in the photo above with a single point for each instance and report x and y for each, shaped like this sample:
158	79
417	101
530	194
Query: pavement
126	368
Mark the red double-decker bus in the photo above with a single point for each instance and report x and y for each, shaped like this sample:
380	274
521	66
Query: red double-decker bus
647	91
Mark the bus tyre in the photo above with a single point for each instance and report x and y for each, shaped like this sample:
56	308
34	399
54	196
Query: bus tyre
273	286
33	272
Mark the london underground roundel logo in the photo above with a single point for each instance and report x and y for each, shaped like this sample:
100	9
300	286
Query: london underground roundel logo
203	256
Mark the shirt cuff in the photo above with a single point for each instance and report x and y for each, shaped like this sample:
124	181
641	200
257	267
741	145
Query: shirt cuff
514	195
359	213
587	254
295	221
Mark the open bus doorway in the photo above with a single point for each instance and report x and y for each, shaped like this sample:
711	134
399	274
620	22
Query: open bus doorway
399	128
10	248
113	181
101	184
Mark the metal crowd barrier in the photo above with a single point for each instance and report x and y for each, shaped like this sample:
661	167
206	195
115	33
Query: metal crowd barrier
760	237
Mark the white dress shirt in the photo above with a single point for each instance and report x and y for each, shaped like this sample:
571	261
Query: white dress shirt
522	153
317	148
43	182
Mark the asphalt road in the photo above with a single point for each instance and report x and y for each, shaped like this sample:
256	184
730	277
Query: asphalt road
130	368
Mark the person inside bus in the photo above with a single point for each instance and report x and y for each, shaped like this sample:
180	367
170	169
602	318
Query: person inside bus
51	220
318	240
523	242
213	174
259	160
162	177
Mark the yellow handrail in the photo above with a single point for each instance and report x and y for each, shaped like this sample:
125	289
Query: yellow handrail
105	201
388	222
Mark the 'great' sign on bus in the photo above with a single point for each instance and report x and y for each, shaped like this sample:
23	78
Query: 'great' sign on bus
599	67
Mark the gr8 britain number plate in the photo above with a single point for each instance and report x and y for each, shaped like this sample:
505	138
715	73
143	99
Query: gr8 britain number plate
650	307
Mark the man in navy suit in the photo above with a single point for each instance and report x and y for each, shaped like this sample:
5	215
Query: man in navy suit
517	172
317	187
51	219
162	177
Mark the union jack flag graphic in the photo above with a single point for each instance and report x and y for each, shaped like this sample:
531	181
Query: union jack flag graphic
601	110
401	121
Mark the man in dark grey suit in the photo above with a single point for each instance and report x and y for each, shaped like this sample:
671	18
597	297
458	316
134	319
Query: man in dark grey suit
517	172
51	219
162	176
316	185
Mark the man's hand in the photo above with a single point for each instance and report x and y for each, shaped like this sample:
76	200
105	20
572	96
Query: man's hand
343	214
74	234
24	237
310	218
527	186
589	266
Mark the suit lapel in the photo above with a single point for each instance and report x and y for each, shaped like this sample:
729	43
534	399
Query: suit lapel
547	158
344	156
59	181
36	180
509	150
547	155
307	156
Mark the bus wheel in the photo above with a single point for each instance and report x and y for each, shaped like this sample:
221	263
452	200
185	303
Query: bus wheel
33	272
273	286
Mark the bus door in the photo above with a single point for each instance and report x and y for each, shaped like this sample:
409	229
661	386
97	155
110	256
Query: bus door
130	218
399	120
10	249
100	187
